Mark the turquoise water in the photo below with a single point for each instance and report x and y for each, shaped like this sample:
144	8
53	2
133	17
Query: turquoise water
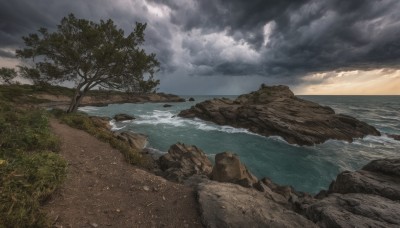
307	168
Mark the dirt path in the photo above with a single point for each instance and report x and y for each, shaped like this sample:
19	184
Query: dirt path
102	190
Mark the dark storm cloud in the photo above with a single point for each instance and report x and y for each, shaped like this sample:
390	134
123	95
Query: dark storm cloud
281	40
307	36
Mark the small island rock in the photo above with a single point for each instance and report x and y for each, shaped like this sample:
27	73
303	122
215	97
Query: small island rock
191	99
167	105
123	117
274	110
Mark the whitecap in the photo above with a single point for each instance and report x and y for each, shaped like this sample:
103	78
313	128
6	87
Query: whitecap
114	126
88	108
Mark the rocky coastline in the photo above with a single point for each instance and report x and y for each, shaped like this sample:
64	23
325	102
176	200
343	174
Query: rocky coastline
229	195
60	101
275	111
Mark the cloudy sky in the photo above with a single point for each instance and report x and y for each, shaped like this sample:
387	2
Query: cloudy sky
232	46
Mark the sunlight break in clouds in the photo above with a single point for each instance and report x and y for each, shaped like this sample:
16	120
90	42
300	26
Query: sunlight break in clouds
373	82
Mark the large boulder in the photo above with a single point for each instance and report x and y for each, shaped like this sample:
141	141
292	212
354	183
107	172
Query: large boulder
183	161
367	182
365	198
102	122
228	168
379	177
136	140
123	117
230	205
274	110
355	210
389	167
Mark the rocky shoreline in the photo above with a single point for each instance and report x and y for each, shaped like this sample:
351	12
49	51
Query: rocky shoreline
60	101
275	111
229	195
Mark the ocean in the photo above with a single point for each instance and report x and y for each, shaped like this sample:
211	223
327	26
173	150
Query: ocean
306	168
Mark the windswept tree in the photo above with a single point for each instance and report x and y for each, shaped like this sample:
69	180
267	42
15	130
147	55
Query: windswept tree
92	55
7	75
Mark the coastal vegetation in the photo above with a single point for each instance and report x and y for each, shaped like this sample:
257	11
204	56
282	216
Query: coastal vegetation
92	55
30	168
98	128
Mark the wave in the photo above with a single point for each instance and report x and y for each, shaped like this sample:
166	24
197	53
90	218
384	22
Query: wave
168	118
114	126
88	108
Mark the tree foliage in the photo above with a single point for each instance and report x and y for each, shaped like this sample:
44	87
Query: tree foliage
7	75
92	55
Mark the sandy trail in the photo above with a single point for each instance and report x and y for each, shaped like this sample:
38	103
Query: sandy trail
102	190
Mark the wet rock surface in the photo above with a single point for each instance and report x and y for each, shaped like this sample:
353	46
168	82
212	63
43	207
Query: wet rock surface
274	110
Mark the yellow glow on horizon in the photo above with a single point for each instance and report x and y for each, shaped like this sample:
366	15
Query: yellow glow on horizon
373	82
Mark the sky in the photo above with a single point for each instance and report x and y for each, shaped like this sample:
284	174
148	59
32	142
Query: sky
223	47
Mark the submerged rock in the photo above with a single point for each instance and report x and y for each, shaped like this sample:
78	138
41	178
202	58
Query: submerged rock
396	137
167	105
183	161
123	117
274	110
228	168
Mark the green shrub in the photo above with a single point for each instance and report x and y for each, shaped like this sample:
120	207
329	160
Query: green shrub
83	122
29	171
26	181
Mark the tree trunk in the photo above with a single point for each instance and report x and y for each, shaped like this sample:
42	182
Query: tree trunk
75	102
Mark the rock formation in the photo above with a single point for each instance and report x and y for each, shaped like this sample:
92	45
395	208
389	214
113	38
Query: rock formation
183	161
274	110
136	140
365	198
230	205
228	168
369	197
191	99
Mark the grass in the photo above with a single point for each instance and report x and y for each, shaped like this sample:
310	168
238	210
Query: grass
96	128
30	170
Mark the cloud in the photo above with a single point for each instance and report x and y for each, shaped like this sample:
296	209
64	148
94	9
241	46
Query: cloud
282	41
372	82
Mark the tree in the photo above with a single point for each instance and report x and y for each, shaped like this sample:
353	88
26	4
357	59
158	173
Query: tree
90	54
7	74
